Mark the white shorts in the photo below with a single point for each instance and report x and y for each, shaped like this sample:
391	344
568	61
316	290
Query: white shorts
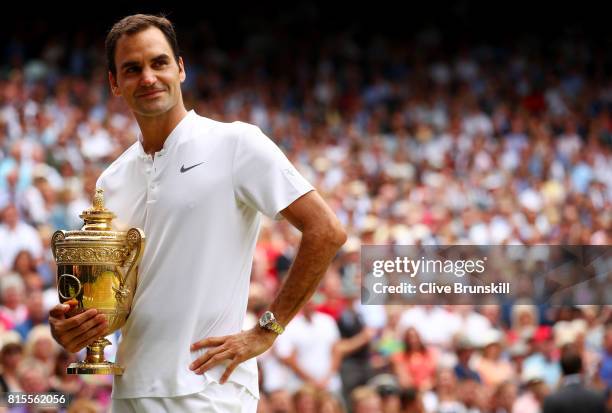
216	398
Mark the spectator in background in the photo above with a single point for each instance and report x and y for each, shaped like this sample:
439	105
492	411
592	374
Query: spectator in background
365	399
605	368
436	325
10	357
23	263
388	389
472	395
473	323
525	323
544	359
305	399
415	366
34	202
37	314
464	350
307	348
532	398
61	380
42	348
46	268
517	353
13	310
26	267
595	317
573	396
390	340
492	367
354	348
280	401
334	301
33	377
16	235
328	403
10	194
443	398
503	397
411	401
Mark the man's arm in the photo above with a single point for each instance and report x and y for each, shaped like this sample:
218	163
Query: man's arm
322	236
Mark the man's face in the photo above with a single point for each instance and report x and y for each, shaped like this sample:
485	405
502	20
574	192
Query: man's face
148	77
369	405
11	217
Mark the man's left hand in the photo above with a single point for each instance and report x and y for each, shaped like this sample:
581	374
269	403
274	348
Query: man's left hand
236	348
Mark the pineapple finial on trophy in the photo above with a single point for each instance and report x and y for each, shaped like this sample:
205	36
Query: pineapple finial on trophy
98	200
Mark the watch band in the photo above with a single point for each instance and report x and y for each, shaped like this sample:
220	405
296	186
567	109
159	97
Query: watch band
275	326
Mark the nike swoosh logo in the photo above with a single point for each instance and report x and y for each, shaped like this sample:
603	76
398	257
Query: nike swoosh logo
183	169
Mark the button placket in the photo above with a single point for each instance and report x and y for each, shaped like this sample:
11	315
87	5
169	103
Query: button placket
149	174
158	165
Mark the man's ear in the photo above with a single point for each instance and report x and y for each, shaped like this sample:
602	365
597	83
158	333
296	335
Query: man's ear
181	65
112	80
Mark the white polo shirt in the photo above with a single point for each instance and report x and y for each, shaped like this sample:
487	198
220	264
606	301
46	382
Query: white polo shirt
198	201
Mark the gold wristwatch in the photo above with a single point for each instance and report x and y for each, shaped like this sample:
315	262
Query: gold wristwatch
268	321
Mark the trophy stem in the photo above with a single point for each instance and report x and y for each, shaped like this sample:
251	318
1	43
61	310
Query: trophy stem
94	362
95	351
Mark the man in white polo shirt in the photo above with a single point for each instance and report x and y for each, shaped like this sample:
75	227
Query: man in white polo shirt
197	187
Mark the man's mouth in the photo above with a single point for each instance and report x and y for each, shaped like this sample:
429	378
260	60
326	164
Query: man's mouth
150	93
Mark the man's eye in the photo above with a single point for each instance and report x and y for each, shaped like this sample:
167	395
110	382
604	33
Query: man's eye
131	69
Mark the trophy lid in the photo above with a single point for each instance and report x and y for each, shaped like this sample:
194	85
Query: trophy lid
97	218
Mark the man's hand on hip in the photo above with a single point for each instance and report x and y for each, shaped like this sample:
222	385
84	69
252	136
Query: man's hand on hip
235	348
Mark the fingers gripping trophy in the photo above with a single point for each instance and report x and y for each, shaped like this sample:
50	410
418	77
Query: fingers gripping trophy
98	268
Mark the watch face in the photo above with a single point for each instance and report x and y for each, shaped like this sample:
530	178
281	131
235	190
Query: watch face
265	318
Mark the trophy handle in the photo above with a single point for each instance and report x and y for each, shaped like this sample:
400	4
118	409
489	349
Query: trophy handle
135	240
75	280
57	237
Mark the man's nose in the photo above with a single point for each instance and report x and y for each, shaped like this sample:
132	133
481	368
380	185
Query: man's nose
148	77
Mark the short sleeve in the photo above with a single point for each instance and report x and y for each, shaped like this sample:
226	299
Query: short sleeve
263	177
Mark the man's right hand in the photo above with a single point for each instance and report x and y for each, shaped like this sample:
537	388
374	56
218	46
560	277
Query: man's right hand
76	332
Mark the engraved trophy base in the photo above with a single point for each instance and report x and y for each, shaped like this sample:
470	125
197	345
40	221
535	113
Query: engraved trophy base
95	368
94	362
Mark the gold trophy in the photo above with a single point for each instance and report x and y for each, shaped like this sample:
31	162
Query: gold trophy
98	267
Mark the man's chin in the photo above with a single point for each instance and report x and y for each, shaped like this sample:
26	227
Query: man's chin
152	110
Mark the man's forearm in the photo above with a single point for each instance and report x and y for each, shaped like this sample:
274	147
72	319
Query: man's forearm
314	255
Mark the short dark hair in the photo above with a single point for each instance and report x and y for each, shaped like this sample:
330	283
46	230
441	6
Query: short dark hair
571	360
408	397
135	24
11	348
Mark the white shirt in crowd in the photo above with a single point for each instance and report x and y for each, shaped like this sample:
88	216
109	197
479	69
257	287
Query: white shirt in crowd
312	342
435	325
23	237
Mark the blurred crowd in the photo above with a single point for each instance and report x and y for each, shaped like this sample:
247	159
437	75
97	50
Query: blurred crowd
409	143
